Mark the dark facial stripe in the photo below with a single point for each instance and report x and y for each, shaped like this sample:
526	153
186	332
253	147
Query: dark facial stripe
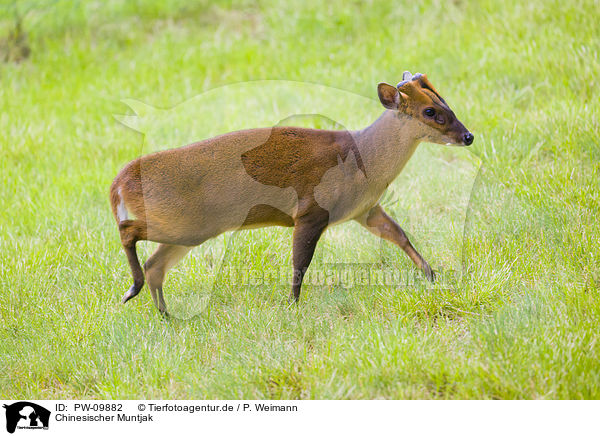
440	101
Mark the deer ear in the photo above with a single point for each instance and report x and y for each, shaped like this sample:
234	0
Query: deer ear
389	96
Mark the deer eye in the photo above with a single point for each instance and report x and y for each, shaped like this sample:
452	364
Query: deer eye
429	112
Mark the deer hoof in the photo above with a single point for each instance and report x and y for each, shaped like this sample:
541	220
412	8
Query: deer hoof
132	292
428	272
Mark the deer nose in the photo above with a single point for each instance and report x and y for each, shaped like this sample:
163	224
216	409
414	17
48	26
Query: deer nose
468	138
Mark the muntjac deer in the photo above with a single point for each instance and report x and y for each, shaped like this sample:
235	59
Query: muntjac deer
287	176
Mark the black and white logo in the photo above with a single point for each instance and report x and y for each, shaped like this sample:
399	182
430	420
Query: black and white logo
26	415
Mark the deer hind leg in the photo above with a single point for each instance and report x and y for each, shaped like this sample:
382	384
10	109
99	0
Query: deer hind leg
132	231
381	224
156	267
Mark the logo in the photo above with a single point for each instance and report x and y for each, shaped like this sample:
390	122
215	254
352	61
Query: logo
26	415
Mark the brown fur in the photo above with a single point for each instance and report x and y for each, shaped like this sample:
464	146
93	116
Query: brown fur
422	94
263	215
287	176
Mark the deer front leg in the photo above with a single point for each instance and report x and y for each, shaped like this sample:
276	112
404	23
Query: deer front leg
381	224
307	232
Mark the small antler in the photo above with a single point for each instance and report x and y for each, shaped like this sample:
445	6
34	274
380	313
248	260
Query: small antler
407	77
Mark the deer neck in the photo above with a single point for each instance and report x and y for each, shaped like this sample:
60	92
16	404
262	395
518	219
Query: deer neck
386	145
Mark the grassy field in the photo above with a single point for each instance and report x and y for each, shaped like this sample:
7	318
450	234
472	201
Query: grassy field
515	215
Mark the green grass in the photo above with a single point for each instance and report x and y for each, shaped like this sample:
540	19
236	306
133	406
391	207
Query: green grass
519	321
